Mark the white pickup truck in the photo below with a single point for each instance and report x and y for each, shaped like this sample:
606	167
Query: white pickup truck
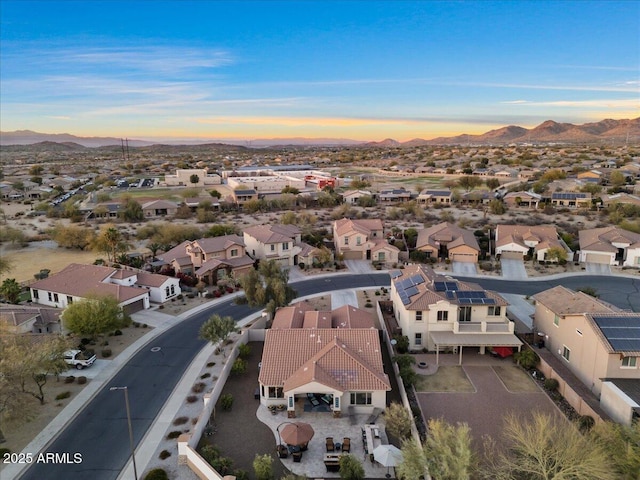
78	359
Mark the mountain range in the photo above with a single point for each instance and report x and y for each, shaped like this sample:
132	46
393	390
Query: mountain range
607	130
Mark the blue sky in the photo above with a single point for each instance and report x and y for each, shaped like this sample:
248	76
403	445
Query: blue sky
360	70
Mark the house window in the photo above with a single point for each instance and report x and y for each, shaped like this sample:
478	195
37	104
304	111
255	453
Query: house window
418	339
381	256
69	300
55	297
36	294
464	314
358	240
556	320
494	311
285	246
173	289
630	362
276	392
234	252
336	402
578	332
166	291
50	296
419	316
273	247
566	353
360	398
443	315
346	240
290	402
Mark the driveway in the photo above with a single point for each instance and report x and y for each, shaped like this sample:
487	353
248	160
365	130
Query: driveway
341	298
359	266
513	269
295	274
464	268
598	268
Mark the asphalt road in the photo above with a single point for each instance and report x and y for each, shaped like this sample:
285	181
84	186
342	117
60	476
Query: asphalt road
99	432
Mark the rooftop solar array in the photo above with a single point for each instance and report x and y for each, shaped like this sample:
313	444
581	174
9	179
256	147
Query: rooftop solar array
407	288
476	301
623	332
445	286
568	196
395	273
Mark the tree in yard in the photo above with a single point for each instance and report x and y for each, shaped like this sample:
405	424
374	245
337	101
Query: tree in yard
262	466
622	444
154	247
556	254
290	189
617	179
70	236
95	315
10	290
497	207
469	182
322	256
445	455
220	230
111	242
194	179
131	210
398	421
545	448
492	183
351	468
268	287
217	329
215	193
24	373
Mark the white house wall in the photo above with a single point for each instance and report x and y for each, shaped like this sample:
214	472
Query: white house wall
617	404
633	258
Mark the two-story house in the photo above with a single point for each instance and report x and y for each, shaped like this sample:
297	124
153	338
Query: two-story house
597	343
363	240
210	259
282	243
439	313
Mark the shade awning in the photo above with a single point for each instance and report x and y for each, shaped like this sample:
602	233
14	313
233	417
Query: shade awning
450	339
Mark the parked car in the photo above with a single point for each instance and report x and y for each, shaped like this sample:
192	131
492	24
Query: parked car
78	359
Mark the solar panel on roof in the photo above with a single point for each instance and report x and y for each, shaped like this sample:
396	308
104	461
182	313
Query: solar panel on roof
466	294
395	273
411	291
405	301
417	279
451	286
450	294
623	332
465	301
488	301
439	286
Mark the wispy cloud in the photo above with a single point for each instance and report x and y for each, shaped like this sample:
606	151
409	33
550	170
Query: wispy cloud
600	103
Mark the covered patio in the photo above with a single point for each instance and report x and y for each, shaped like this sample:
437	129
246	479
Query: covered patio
460	340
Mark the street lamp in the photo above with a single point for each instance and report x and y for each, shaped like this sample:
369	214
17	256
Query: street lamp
126	402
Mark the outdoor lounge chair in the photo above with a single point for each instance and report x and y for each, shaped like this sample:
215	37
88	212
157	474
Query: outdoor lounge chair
330	446
346	444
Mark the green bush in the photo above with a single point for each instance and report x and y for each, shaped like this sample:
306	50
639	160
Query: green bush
351	468
205	375
69	379
226	401
164	454
63	395
117	333
585	423
106	352
244	350
174	434
198	387
239	366
402	343
4	451
156	474
262	466
527	358
192	399
180	421
82	380
551	384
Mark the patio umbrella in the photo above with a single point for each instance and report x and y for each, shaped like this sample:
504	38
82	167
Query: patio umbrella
387	455
297	433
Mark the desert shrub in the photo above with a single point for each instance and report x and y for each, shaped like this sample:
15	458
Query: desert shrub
156	474
262	466
104	344
585	423
551	384
241	300
368	305
69	379
106	352
82	380
174	434
164	454
239	366
205	375
180	420
117	333
528	359
192	399
211	364
198	387
226	401
63	395
85	341
244	350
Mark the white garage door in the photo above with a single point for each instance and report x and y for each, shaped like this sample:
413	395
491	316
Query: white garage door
598	258
464	257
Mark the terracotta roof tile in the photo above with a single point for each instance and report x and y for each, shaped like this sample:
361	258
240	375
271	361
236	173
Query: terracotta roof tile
562	301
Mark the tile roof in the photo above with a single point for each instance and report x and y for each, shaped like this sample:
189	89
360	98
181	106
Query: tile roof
344	359
151	279
518	234
81	280
273	233
303	315
217	244
602	239
17	315
347	225
447	234
159	204
563	301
